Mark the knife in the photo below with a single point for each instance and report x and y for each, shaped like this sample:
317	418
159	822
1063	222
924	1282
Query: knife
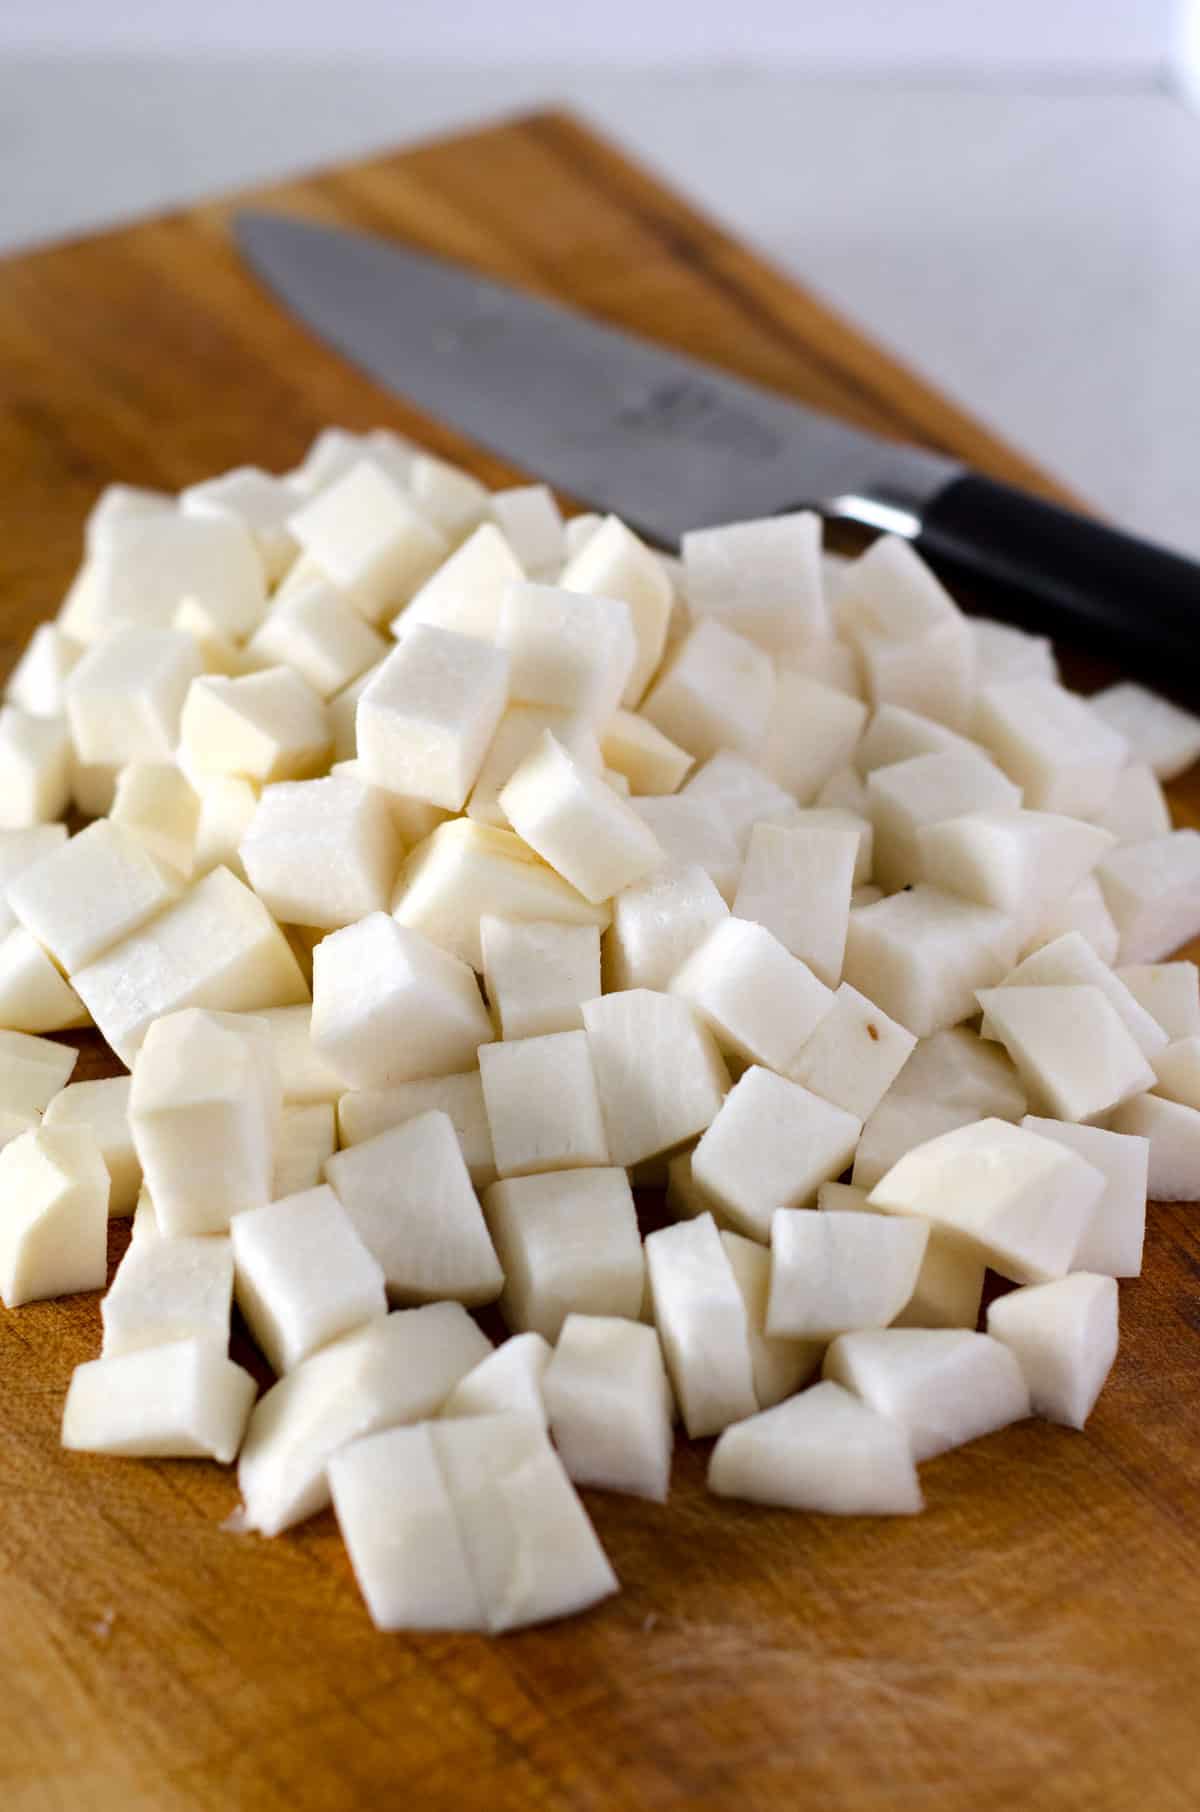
669	443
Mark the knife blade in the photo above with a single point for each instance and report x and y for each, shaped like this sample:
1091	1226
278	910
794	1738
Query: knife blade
670	443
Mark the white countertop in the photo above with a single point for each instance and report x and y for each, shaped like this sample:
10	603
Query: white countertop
1035	251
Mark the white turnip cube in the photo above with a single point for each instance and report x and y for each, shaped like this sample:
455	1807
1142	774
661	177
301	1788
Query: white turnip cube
307	1140
185	1400
825	1450
126	696
33	995
1052	744
812	731
1152	890
510	1378
1071	1049
833	1272
896	734
927	789
394	1371
303	1074
365	1113
1004	652
410	1198
538	974
33	1072
692	836
1174	1134
533	1553
122	503
204	1111
658	1071
943	1386
827	660
854	1055
760	1002
650	761
54	1223
1023	863
915	645
375	543
732	787
218	947
322	852
102	1109
303	1275
567	1241
19	850
1083	910
1160	734
397	1520
715	693
516	734
1177	1069
542	1104
1137	808
701	1320
531	522
155	803
844	791
658	923
772	1144
950	1080
147	564
1021	1201
37	684
465	872
780	1364
257	500
390	1006
949	1284
1064	1337
227	804
566	649
761	578
87	895
426	719
797	883
921	955
609	1406
466	592
577	824
261	727
840	818
316	631
1170	993
613	563
1070	961
167	1290
1111	1241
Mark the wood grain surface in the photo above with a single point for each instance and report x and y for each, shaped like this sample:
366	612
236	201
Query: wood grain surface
1032	1641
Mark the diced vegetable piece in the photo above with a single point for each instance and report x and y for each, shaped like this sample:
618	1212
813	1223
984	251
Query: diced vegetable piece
91	892
824	1450
532	524
772	1143
22	849
304	1277
1023	863
53	1216
204	1111
322	852
389	1006
394	1371
1153	892
33	1071
609	1406
304	1076
1137	808
907	796
1170	993
317	632
855	1054
101	1109
1174	1134
834	1272
951	1079
167	1290
1084	910
1023	1202
660	1077
811	732
542	1104
1070	961
650	761
258	501
510	1378
921	955
37	684
1062	755
797	883
760	578
466	592
1072	1050
410	1198
1064	1335
944	1386
780	1364
364	1113
760	1002
691	836
1159	733
613	563
1003	652
185	1400
896	734
715	693
372	540
263	727
567	650
740	793
538	975
701	1320
155	802
916	647
567	1240
307	1140
35	773
125	698
577	824
1111	1241
33	995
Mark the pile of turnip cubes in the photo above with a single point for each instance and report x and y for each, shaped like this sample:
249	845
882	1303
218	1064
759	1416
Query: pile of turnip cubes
449	872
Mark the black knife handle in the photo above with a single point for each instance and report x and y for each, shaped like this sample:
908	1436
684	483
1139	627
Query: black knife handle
1049	569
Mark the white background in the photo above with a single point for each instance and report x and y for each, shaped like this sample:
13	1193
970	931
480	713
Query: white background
1004	191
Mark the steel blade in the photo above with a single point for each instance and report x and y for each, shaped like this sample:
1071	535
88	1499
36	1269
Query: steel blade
662	440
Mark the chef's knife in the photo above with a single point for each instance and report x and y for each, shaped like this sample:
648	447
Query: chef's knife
669	443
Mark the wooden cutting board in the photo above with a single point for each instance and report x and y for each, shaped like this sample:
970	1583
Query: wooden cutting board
1032	1641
